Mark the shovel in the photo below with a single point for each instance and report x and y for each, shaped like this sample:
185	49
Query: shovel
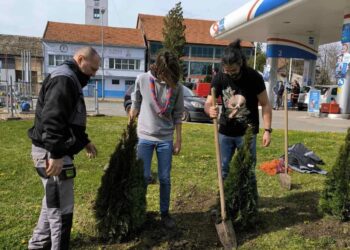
285	179
225	230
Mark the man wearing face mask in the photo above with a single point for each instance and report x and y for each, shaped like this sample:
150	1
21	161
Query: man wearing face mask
242	89
57	135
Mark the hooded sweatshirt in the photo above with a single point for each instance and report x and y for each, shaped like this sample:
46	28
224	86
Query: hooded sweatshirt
152	125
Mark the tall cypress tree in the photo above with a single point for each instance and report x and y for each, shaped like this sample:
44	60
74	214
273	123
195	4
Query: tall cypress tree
240	187
174	31
120	207
335	198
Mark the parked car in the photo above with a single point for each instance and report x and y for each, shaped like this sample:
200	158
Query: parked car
327	93
194	105
189	85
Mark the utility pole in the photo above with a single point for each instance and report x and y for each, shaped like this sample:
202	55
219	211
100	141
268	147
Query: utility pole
11	98
102	53
255	48
97	112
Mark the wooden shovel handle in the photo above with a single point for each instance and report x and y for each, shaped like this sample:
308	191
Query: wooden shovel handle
285	129
218	161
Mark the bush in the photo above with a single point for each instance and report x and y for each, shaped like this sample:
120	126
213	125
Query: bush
120	207
240	187
335	196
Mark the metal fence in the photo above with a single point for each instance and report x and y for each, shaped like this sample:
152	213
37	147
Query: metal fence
16	98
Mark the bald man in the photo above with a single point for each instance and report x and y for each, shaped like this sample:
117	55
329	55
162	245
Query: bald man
57	135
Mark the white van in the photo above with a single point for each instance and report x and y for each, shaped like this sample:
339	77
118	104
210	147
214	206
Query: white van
327	93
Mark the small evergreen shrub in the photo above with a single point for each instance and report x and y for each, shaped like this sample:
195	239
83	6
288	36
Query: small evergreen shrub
335	199
240	187
120	207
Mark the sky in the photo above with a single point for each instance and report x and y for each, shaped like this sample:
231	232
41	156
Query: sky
29	17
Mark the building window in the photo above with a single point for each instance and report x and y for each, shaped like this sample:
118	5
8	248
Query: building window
202	51
218	52
115	81
111	63
125	64
201	68
185	68
51	60
155	47
187	50
96	13
129	82
217	66
56	60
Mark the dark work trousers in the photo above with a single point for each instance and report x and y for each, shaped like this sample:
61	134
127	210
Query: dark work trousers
56	216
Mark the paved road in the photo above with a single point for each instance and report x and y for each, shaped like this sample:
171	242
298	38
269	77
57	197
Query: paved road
110	108
300	120
297	120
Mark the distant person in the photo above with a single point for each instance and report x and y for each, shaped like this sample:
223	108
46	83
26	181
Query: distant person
280	94
278	91
333	101
295	93
57	135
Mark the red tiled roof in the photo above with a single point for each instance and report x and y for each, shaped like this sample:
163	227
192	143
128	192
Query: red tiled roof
91	34
197	31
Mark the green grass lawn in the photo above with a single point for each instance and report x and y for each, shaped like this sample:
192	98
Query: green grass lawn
287	219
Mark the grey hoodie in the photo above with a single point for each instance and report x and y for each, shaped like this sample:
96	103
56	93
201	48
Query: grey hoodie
152	126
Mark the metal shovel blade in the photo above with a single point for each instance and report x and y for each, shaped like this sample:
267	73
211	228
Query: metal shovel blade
285	181
226	234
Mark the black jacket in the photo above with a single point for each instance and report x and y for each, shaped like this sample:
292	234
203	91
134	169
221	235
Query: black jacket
56	105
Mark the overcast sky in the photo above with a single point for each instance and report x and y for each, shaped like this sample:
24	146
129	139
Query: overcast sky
29	17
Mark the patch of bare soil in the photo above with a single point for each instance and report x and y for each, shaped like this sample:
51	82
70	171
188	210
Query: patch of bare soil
329	229
195	228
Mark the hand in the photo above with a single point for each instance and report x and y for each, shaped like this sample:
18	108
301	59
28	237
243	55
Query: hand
133	114
91	150
54	167
176	147
266	139
213	111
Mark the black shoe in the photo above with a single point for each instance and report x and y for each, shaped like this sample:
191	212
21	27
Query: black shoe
168	221
151	180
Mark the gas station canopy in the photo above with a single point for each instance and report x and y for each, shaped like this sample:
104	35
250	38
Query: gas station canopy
258	20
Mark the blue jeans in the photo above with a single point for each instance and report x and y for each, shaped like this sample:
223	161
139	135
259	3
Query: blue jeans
228	146
164	150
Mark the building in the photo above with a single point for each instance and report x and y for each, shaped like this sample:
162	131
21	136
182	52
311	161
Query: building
123	53
96	12
21	60
202	52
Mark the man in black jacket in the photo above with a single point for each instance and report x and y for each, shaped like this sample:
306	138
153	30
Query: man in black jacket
57	135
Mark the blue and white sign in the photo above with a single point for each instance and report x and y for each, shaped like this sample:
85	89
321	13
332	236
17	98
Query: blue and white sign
341	82
314	101
222	25
345	38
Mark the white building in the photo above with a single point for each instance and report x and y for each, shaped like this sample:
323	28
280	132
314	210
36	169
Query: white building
96	12
123	53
